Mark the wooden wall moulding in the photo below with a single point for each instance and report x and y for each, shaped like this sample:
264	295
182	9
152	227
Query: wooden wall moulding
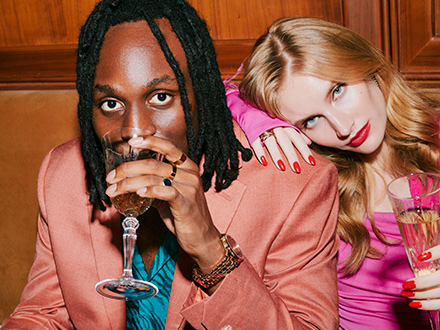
37	42
415	29
38	65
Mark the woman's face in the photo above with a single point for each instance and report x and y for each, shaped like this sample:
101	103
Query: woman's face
332	114
135	86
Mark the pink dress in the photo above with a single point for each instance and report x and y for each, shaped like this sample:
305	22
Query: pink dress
369	300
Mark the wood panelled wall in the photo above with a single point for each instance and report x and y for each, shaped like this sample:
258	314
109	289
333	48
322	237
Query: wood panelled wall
38	38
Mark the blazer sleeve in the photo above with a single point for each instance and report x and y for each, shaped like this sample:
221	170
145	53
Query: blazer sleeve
297	288
41	305
252	121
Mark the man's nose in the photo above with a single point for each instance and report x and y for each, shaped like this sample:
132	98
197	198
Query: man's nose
139	116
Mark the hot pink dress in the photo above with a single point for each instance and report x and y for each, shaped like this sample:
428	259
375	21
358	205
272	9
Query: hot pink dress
369	300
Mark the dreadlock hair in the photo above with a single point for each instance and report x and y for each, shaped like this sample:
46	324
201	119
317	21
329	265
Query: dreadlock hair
215	139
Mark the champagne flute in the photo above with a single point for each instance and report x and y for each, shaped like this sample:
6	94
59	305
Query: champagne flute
118	151
416	203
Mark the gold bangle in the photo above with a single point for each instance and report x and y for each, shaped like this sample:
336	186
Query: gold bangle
227	265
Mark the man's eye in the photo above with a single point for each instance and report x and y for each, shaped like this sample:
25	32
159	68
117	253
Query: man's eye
111	105
161	99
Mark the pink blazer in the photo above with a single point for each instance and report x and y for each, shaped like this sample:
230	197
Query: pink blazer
284	222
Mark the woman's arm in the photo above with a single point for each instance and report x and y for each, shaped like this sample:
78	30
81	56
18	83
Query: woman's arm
255	122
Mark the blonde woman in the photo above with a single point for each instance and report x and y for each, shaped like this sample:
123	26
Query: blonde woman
333	89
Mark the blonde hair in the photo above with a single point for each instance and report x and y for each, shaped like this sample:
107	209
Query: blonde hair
334	53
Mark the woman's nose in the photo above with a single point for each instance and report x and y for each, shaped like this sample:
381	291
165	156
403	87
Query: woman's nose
342	124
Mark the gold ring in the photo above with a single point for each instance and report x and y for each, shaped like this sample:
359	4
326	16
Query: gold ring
180	161
173	173
266	135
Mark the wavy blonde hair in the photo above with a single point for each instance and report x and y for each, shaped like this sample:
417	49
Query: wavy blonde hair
334	53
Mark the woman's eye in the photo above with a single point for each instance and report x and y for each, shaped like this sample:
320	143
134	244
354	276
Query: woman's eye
111	105
308	123
161	99
339	88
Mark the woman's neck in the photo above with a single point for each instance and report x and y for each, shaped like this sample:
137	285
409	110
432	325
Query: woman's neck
379	162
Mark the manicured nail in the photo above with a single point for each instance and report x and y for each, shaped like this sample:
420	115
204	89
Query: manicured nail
111	176
111	190
425	256
407	293
312	160
136	140
415	304
263	160
281	165
296	167
408	285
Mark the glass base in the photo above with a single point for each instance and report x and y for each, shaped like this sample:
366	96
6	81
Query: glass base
126	289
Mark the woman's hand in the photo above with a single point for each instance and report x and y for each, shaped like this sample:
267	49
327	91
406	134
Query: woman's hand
286	138
182	205
425	290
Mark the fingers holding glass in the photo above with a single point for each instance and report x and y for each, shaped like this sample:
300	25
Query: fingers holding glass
173	154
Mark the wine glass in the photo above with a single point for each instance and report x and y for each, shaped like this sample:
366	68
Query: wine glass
416	203
131	205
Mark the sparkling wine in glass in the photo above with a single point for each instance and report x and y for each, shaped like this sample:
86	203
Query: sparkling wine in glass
416	203
131	205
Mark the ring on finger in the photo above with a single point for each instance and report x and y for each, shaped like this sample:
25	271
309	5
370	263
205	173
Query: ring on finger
266	135
167	182
173	172
179	161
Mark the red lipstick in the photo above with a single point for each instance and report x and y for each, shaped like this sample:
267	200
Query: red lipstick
360	136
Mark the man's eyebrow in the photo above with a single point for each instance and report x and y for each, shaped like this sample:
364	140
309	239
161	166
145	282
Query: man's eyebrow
156	81
103	88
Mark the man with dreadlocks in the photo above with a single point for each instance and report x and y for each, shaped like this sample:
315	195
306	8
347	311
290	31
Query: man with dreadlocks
152	64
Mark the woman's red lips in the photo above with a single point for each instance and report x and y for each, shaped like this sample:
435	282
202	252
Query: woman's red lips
360	136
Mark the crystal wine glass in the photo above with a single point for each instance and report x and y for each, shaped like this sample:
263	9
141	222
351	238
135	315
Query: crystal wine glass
416	203
131	205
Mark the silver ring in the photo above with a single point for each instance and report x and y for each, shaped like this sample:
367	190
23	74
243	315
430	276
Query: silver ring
167	182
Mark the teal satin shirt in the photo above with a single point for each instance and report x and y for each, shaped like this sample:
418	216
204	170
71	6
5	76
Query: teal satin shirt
151	313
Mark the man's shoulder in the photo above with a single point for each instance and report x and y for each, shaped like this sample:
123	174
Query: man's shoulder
64	158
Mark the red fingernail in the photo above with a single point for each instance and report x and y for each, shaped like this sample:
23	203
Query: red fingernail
281	165
296	167
263	160
415	304
425	256
312	160
408	285
407	293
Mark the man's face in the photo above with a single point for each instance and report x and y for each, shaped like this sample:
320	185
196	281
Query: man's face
135	86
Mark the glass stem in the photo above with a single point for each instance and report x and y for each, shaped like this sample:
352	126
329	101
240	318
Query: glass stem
130	224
